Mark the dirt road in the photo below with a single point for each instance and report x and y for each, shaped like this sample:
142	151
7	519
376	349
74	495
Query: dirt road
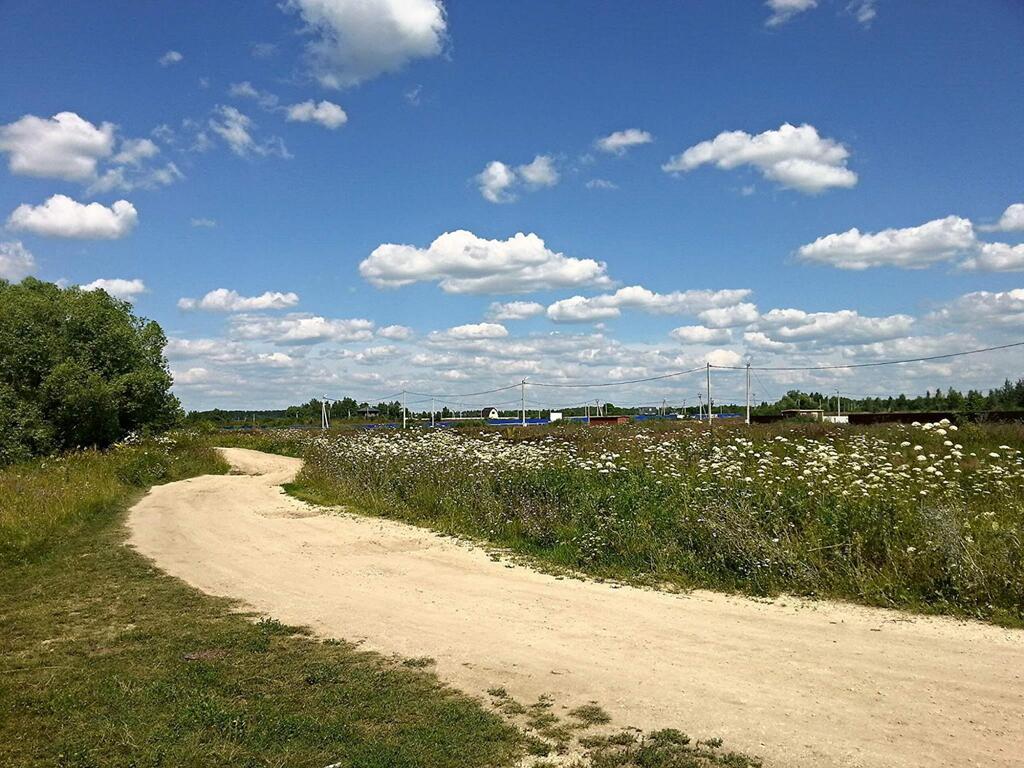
799	683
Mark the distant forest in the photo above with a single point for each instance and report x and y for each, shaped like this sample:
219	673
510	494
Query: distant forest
1009	397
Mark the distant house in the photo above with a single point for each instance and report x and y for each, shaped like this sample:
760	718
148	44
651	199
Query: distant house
369	412
803	413
489	413
609	420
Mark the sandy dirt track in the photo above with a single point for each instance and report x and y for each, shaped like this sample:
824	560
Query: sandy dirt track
799	683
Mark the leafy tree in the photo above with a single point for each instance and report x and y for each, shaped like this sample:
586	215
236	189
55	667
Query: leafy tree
77	369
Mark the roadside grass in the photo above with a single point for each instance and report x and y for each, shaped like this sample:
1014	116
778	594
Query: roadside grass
105	661
897	516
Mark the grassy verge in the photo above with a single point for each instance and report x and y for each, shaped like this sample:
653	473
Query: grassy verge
104	661
930	520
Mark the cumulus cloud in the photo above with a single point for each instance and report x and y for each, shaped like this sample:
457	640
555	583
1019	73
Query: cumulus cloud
784	10
909	248
496	181
474	331
117	287
236	129
794	157
64	146
169	58
845	326
1012	220
514	310
729	316
578	309
357	40
461	262
996	257
300	328
60	216
16	261
601	184
619	142
984	309
499	182
699	334
134	151
326	113
395	332
225	300
202	223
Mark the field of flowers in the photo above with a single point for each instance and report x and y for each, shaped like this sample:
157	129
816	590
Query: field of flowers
928	517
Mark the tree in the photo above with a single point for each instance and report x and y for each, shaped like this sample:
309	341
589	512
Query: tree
77	369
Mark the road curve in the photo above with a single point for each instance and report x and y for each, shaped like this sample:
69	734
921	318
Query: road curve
799	683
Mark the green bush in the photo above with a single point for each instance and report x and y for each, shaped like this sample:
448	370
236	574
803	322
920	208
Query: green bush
77	369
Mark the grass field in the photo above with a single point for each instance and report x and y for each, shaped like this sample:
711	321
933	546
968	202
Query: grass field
928	517
105	661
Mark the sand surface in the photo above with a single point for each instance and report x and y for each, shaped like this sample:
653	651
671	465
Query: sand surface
799	683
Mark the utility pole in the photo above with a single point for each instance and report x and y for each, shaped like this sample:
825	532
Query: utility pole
431	411
748	393
710	409
523	391
839	404
700	407
403	409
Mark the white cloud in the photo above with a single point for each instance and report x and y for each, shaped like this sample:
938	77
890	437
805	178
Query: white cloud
203	223
540	172
134	151
235	128
795	157
301	329
246	90
225	300
730	316
64	146
498	182
117	287
326	113
60	216
169	58
395	332
909	248
699	334
126	178
996	257
984	309
845	326
863	10
16	262
1012	220
784	10
578	309
357	40
618	142
726	358
192	376
475	331
514	310
601	184
461	262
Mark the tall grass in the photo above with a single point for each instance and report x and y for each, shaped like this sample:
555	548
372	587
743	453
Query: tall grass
48	501
927	519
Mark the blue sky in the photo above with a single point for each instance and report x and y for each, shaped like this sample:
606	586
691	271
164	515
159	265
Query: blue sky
792	182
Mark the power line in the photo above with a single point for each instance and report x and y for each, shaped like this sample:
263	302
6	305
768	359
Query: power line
616	383
873	365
